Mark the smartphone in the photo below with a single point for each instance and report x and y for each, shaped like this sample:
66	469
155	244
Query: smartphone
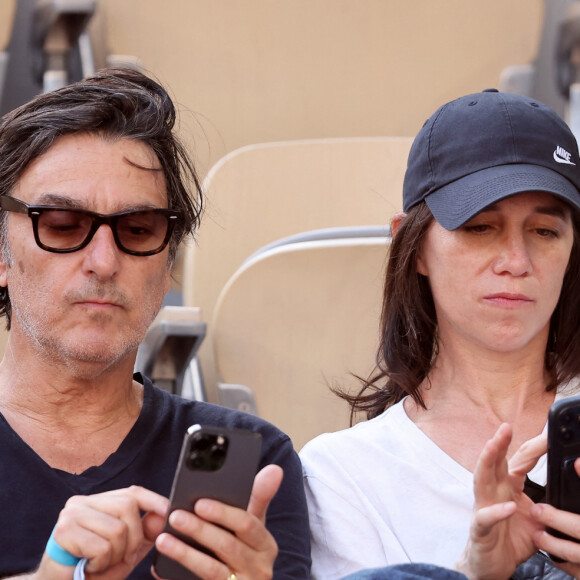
215	463
563	485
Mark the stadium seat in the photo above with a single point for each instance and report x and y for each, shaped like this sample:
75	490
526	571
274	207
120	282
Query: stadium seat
261	193
293	321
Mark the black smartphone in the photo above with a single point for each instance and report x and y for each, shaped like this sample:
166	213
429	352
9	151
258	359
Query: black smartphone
215	463
563	485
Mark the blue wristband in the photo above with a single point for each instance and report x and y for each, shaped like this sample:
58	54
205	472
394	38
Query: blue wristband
59	554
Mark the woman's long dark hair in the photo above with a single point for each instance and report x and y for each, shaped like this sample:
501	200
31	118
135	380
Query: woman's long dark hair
408	327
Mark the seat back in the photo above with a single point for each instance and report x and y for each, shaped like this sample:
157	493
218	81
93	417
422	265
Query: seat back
297	319
261	193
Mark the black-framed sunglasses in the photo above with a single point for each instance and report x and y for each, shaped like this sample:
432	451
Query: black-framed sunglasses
63	230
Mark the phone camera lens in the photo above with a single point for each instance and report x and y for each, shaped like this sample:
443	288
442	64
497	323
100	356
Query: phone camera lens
217	456
202	442
566	433
208	452
218	452
196	461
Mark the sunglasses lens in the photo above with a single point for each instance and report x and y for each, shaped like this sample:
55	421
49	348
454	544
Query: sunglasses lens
63	229
142	231
138	232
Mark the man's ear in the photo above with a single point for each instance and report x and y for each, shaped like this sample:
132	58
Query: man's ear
3	271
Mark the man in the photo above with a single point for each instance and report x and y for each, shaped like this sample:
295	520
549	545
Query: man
93	188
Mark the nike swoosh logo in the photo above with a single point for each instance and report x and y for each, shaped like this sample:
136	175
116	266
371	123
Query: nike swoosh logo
561	159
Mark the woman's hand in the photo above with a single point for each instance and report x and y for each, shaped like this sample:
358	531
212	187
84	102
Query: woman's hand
565	522
107	529
245	547
503	528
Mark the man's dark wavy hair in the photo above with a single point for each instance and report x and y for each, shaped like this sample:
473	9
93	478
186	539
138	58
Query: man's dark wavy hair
115	103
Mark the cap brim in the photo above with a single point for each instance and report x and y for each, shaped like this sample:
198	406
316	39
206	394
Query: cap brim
456	203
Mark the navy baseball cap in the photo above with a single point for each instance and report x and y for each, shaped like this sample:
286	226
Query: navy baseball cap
482	148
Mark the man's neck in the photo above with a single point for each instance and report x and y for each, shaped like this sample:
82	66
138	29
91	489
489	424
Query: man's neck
72	416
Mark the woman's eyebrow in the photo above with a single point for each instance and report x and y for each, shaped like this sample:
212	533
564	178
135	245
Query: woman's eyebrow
558	210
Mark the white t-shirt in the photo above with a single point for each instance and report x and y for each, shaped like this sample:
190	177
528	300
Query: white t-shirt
383	493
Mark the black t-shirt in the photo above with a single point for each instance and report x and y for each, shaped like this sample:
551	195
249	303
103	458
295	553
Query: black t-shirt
32	494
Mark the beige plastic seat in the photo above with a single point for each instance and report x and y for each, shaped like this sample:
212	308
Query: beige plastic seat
294	320
261	193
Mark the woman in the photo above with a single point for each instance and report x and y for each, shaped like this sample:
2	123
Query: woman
479	329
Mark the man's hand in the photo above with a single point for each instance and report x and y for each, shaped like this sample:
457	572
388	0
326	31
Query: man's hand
108	530
245	546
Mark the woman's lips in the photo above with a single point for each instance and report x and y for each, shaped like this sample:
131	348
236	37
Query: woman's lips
508	299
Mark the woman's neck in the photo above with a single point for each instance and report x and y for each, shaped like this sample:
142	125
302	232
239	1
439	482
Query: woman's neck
470	392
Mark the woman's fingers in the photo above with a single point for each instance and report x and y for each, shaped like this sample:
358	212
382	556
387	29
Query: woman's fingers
491	469
487	517
566	549
526	457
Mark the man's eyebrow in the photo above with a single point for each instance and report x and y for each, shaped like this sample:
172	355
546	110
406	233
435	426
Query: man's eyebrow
50	198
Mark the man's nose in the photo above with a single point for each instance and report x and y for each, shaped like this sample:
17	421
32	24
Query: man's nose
102	253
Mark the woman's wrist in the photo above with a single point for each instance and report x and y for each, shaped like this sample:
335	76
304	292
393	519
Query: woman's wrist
462	566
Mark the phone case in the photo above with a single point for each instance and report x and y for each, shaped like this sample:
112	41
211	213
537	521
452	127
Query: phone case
215	463
563	486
